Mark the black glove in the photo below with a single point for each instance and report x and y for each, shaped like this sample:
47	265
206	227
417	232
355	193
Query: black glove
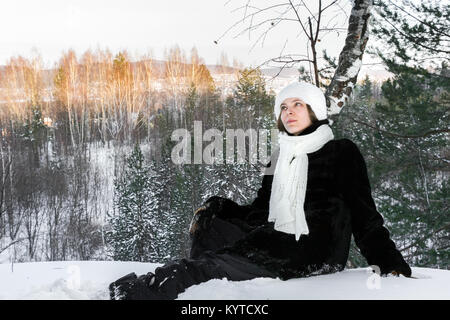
131	287
402	268
215	206
203	217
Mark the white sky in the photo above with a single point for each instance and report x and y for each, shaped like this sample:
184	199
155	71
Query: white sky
144	26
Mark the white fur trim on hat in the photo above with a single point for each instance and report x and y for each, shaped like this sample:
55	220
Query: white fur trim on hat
308	92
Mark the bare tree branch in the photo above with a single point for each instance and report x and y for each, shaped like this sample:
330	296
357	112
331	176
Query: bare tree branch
11	244
299	20
245	18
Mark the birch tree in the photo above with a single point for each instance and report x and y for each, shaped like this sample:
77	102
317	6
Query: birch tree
315	20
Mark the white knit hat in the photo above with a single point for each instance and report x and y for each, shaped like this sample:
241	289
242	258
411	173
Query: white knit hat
309	93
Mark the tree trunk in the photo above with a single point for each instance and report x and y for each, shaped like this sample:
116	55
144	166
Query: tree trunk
350	58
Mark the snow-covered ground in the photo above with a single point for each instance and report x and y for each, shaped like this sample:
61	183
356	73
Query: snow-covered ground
88	280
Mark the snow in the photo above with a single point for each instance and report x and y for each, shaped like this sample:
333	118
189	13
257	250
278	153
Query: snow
89	280
351	71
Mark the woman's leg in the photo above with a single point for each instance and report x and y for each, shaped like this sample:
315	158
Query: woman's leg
204	264
175	277
221	233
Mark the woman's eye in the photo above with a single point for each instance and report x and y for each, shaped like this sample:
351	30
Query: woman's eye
298	104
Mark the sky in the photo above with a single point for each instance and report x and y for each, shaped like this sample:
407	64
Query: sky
50	27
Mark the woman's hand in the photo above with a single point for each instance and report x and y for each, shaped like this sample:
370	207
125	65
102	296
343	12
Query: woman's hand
398	273
202	218
404	270
193	226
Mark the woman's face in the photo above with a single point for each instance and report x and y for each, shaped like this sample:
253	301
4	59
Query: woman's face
295	115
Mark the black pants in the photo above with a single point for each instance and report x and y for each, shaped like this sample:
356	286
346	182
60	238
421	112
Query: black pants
205	263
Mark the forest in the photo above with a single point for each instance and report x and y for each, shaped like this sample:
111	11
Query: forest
86	147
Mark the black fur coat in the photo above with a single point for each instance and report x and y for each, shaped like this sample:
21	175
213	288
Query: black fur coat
238	243
338	203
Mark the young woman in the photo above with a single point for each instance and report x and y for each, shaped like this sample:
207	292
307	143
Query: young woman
315	194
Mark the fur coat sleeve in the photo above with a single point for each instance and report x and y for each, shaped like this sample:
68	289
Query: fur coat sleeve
372	238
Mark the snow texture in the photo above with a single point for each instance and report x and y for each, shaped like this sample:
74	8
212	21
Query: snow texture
88	280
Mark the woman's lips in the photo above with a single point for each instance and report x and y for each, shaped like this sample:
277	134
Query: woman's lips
289	121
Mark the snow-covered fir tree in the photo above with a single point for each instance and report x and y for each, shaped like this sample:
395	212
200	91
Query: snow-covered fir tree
132	228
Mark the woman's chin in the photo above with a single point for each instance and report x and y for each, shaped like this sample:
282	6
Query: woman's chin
294	131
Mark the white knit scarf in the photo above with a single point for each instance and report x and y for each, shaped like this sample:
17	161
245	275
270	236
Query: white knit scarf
290	178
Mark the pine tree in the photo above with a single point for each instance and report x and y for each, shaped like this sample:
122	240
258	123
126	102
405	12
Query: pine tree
404	134
415	129
165	243
251	100
417	192
175	206
132	229
250	107
34	133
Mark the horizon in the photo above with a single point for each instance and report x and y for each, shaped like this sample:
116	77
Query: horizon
374	74
50	28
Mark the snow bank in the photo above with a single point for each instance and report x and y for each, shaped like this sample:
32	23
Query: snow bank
64	280
88	280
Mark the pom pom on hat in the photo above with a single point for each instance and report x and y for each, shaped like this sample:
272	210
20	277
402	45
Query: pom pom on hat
307	92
